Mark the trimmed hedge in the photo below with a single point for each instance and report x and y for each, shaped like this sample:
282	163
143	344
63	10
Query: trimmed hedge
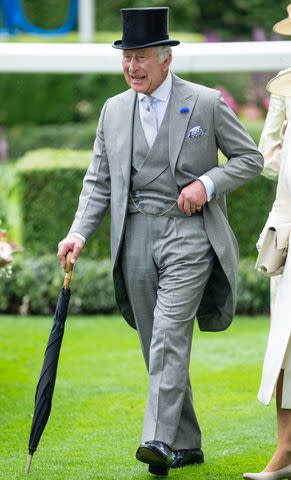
248	209
36	282
76	136
49	183
253	290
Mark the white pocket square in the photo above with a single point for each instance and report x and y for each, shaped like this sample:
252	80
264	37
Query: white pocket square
195	132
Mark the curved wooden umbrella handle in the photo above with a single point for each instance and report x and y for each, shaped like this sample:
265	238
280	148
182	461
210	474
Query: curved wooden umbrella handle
68	269
69	266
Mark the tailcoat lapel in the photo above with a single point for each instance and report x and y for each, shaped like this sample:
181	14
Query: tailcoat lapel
124	142
182	97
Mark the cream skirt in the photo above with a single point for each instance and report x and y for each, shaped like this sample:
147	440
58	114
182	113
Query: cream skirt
286	365
286	394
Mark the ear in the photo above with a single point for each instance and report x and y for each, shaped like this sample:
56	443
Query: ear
167	62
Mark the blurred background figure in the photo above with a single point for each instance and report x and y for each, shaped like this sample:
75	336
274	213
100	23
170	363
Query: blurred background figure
275	145
270	145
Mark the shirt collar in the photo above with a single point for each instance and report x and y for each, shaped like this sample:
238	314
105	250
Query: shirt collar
162	93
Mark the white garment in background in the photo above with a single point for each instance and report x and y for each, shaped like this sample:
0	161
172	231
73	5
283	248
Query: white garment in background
271	140
278	348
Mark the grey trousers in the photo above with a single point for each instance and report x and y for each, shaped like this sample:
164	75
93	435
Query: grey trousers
166	263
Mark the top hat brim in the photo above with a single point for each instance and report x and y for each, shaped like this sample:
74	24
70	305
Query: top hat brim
124	46
283	27
281	84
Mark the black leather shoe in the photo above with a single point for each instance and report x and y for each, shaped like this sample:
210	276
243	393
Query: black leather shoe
187	457
158	455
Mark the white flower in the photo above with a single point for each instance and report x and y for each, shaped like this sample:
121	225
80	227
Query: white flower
6	251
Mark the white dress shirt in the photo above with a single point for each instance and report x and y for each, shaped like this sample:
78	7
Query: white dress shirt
160	98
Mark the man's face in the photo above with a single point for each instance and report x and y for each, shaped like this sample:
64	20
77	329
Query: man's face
142	69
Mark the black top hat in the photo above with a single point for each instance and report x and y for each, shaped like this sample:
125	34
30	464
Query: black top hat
144	27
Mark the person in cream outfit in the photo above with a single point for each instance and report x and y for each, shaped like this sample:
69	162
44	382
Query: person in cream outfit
276	146
174	255
270	145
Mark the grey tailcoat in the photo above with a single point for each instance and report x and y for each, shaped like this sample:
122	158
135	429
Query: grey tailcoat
108	177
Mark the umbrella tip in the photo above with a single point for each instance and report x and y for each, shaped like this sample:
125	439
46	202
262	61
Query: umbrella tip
29	460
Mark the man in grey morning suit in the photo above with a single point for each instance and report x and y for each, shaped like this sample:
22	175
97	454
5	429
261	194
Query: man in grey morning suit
174	254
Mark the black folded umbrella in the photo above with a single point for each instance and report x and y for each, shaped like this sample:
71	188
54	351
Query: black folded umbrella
45	387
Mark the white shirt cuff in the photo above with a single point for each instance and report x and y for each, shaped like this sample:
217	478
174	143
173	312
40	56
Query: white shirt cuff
209	186
78	235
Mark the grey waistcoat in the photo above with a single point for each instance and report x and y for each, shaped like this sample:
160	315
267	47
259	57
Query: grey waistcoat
153	186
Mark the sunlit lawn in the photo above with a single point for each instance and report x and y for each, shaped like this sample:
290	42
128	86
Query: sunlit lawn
100	396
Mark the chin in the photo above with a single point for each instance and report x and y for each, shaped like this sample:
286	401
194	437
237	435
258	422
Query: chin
139	88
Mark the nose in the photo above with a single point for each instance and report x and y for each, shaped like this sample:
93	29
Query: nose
132	64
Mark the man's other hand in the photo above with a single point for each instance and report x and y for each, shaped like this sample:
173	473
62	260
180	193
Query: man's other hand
192	198
70	243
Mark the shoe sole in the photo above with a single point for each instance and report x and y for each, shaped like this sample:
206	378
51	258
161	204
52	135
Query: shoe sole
151	457
154	459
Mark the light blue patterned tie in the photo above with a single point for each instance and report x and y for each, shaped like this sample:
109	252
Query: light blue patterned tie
150	121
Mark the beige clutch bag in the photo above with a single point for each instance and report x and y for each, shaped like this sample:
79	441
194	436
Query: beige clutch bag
273	252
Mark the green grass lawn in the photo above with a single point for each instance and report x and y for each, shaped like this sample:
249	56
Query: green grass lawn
100	395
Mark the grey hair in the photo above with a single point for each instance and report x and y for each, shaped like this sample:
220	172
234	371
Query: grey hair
163	52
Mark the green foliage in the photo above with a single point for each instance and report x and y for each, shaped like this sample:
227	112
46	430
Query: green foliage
234	19
75	136
248	209
57	99
253	290
50	182
9	202
237	83
36	282
254	127
48	14
237	19
36	99
3	194
184	14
